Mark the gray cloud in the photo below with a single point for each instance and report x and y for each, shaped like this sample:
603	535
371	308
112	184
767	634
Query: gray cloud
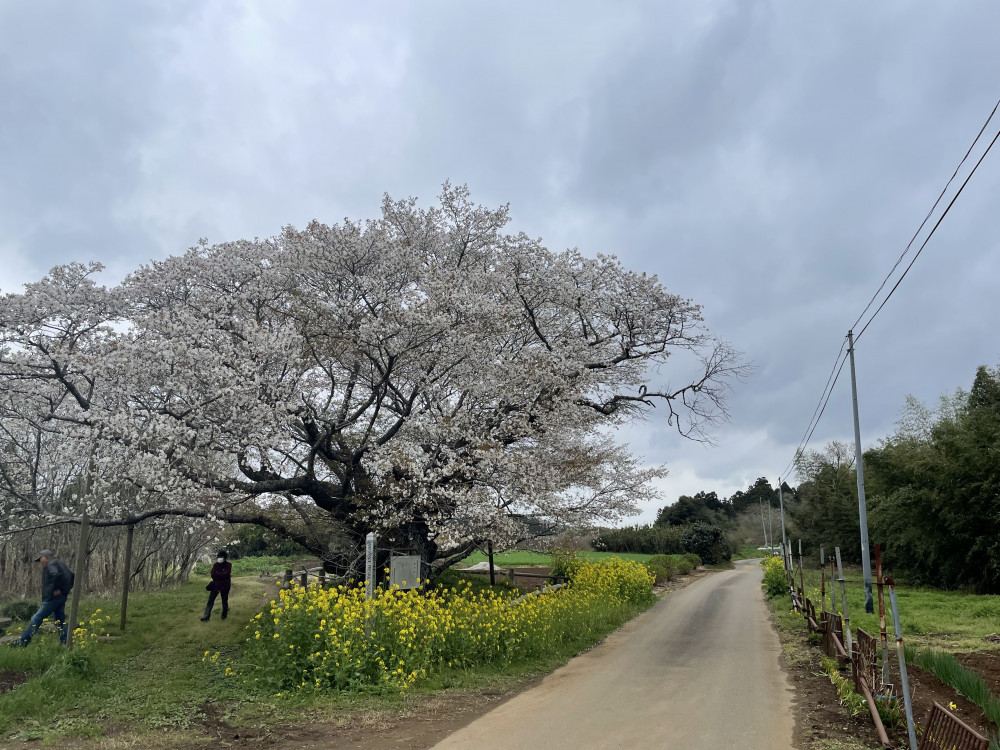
769	160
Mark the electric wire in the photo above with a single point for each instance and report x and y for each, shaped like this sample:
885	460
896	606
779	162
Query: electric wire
831	381
928	239
841	358
927	217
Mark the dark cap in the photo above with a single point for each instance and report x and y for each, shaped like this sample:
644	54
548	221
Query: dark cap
45	553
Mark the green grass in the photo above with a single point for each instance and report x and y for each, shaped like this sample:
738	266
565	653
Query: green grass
949	620
521	558
152	678
247	566
750	552
151	687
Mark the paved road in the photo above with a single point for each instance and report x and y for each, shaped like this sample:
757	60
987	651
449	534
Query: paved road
698	671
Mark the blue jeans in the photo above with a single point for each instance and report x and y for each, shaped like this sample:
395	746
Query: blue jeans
56	606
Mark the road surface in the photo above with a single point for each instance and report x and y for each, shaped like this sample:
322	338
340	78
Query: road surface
698	671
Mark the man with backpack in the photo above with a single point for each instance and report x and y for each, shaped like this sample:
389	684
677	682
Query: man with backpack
57	581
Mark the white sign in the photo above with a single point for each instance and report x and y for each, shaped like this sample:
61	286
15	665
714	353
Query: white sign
404	571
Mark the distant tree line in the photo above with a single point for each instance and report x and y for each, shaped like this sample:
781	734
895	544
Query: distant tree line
932	487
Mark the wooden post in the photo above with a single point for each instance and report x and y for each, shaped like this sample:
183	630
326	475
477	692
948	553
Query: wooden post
510	575
81	577
489	551
321	579
128	573
802	576
287	583
304	579
822	585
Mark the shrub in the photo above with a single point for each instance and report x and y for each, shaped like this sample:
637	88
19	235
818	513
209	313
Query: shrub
565	563
662	567
335	639
707	542
853	702
647	540
775	583
19	609
693	559
684	566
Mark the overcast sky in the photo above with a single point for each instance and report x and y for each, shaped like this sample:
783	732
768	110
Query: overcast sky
769	160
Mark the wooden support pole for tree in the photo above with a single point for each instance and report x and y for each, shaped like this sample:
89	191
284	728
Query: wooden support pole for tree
81	577
489	551
127	575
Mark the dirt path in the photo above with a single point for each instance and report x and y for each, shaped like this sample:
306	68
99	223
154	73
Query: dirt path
699	670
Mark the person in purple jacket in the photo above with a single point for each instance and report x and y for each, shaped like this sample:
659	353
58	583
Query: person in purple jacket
222	577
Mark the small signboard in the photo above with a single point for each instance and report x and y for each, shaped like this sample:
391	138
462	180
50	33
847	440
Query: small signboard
404	571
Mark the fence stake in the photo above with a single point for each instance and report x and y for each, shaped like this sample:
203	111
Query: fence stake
843	596
128	573
802	576
904	682
833	589
822	585
883	639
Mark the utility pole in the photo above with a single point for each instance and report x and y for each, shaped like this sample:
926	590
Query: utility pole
866	563
781	503
770	526
761	505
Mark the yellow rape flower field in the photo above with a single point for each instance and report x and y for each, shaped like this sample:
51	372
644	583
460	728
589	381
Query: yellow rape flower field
334	639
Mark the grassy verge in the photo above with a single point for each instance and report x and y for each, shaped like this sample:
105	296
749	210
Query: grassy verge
829	731
151	678
153	687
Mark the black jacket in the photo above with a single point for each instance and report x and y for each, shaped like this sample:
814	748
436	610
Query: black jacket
55	576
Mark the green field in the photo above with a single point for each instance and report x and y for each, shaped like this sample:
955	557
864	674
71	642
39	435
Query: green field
930	618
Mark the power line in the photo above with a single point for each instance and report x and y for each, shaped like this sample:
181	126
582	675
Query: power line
931	234
927	217
831	381
841	358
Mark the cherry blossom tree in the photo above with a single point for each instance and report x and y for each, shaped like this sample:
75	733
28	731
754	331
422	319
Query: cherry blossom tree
425	374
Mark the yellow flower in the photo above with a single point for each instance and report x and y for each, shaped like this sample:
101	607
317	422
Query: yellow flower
952	705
